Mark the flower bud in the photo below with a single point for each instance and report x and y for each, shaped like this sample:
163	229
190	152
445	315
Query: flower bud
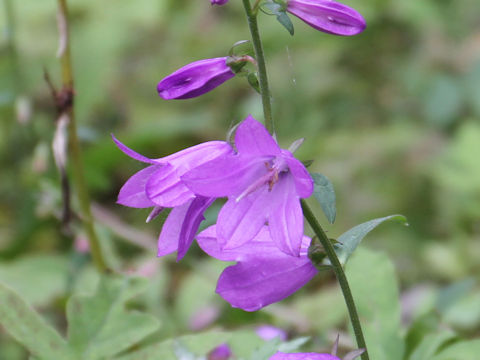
218	2
195	79
328	16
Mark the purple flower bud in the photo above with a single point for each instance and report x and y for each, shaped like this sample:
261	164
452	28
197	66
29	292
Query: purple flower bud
268	332
218	2
195	79
328	16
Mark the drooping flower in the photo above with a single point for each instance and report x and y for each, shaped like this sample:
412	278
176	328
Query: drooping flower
263	274
263	182
195	79
159	186
218	2
328	16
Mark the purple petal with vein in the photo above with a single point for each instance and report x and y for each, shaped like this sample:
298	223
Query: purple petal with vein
133	192
253	139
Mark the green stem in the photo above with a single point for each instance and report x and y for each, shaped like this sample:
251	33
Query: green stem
262	69
342	279
76	155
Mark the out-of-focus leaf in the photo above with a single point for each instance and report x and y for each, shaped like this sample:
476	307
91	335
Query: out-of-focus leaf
38	279
430	345
29	329
348	241
241	343
453	293
99	325
422	326
293	345
325	195
465	314
266	350
372	280
443	101
465	350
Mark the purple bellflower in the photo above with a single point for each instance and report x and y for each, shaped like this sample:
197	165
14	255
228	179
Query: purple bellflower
269	332
263	182
263	274
218	2
328	16
221	352
195	79
159	186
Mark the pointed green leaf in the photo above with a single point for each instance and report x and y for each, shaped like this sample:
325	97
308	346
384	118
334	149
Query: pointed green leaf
29	329
348	241
430	345
374	287
465	350
99	325
325	195
283	19
253	81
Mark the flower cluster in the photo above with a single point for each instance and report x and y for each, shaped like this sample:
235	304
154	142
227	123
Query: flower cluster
263	184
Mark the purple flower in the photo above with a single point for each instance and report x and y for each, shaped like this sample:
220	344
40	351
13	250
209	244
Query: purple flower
268	332
195	79
218	2
263	274
159	186
302	356
221	352
263	182
328	16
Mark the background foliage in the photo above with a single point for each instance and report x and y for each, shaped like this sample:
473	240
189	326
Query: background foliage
391	116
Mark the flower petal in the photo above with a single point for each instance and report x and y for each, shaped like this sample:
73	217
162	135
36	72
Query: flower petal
261	246
129	152
286	218
165	188
238	222
303	180
170	234
228	175
253	139
193	218
133	192
256	283
197	155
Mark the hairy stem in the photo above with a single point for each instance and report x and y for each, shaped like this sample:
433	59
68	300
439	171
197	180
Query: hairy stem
262	69
75	151
340	274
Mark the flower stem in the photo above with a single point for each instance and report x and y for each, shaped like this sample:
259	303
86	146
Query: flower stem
76	155
340	274
262	69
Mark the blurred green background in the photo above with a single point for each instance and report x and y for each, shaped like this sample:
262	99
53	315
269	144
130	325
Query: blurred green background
391	116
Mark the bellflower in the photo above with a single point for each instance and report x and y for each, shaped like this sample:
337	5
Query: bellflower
263	274
314	356
218	2
195	79
221	352
328	16
159	186
263	182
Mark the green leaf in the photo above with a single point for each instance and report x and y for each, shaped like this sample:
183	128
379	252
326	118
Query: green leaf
372	280
253	81
38	279
348	241
199	344
266	350
29	329
430	345
283	19
293	345
99	325
325	195
465	350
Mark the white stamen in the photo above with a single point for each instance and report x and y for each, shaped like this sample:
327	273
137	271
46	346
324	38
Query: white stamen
295	145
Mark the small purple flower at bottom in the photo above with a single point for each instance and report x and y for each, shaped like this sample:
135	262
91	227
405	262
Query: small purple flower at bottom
263	273
159	186
263	182
328	16
221	352
314	356
195	79
218	2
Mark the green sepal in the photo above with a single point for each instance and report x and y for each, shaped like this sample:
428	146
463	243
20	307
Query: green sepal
253	81
235	64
